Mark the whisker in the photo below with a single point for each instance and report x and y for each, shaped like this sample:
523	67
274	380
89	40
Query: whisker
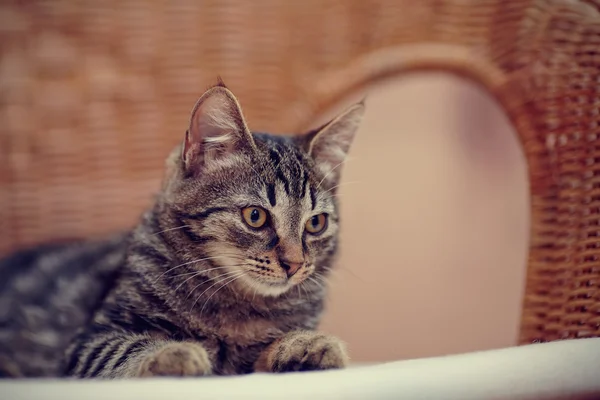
341	184
188	263
303	286
319	284
185	274
227	273
255	290
206	270
322	277
215	292
236	273
323	284
324	281
332	169
197	273
340	268
255	171
171	229
305	291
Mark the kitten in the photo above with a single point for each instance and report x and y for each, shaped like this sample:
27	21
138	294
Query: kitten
225	274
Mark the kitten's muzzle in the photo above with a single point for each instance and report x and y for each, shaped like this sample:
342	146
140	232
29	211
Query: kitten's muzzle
290	267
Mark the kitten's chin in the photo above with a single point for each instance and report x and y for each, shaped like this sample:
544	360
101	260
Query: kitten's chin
254	286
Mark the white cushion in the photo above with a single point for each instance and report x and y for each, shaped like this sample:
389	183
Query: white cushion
559	370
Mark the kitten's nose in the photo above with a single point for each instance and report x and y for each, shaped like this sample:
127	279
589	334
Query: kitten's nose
290	267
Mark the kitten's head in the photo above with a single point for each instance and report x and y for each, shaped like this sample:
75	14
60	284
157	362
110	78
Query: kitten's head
260	209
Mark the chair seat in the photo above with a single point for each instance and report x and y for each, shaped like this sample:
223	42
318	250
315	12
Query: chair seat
558	370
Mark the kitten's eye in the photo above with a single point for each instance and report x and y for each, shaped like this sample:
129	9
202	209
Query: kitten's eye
255	217
316	224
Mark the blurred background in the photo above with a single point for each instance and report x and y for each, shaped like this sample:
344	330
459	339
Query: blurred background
94	94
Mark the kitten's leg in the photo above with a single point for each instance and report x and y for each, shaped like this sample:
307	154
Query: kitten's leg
117	355
303	351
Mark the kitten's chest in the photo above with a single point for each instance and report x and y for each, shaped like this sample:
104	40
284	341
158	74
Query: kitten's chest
246	331
234	344
244	325
250	332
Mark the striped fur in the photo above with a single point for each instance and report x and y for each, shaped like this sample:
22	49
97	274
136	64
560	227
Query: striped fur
46	295
192	290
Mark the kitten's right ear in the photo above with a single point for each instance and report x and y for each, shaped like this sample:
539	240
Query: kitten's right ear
329	145
217	128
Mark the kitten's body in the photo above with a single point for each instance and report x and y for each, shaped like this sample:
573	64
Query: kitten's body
46	295
192	290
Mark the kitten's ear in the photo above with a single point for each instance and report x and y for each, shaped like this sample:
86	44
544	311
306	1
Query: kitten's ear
329	145
217	128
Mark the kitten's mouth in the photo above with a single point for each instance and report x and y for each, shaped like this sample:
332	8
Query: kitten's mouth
270	280
263	275
267	285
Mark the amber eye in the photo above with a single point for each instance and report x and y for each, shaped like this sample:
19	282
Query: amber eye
316	224
255	217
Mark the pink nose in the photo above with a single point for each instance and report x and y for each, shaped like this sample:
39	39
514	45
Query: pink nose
290	267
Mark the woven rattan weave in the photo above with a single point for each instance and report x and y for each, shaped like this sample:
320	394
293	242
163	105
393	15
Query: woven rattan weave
93	95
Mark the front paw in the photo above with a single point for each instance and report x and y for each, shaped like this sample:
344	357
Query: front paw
307	351
176	359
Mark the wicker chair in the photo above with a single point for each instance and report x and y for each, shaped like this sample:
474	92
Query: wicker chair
92	93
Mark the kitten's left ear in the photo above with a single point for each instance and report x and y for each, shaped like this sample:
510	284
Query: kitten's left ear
329	145
217	128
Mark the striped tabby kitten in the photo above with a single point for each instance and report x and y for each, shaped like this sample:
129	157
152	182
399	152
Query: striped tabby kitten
225	274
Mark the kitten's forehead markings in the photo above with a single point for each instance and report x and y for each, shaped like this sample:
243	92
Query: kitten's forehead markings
283	212
307	201
289	213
